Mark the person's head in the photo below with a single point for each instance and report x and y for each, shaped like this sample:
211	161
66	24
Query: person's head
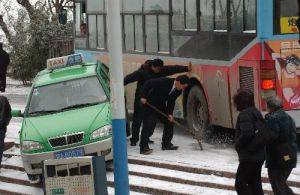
83	28
182	82
156	65
243	99
147	65
292	64
274	103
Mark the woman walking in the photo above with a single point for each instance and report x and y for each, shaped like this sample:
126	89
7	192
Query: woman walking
281	152
248	176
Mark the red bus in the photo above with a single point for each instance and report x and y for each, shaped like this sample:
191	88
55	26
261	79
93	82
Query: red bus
231	44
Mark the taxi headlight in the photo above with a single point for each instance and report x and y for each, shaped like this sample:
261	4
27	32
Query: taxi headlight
101	132
31	145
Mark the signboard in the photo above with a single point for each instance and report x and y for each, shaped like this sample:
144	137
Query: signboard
75	176
289	25
65	61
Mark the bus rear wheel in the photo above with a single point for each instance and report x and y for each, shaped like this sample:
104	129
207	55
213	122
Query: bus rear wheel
197	112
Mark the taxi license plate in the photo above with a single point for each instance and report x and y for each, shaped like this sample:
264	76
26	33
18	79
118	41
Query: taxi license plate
69	153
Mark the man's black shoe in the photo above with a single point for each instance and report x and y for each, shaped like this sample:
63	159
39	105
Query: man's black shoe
169	147
133	143
146	151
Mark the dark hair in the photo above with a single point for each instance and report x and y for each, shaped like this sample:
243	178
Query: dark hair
147	64
243	99
293	59
183	79
157	63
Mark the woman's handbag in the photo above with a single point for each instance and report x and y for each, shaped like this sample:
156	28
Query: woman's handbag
285	155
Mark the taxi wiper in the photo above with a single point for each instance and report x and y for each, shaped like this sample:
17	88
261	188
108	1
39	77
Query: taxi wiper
43	112
79	106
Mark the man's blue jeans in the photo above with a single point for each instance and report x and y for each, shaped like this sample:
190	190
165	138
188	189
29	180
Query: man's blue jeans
2	137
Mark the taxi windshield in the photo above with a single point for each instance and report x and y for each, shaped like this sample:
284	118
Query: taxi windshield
66	95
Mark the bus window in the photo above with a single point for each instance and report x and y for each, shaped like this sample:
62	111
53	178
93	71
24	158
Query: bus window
80	19
157	34
139	38
221	15
92	32
96	24
81	29
250	15
206	15
101	31
285	16
132	5
163	28
191	14
236	9
133	25
151	34
178	14
184	14
95	6
129	32
133	32
156	5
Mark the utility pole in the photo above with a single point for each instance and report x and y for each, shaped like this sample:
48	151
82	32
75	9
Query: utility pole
117	98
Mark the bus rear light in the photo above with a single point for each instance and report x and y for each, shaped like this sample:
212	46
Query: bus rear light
267	84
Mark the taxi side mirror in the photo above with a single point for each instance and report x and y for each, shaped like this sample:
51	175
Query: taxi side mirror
17	113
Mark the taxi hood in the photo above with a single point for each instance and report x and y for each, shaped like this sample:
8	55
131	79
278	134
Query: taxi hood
86	119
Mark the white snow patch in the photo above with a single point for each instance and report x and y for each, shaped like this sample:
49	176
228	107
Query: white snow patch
16	188
213	157
14	174
192	176
14	161
173	187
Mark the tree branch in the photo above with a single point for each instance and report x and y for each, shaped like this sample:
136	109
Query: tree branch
50	7
29	8
5	29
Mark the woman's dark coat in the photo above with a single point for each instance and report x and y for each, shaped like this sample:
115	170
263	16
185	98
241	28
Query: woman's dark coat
284	131
245	131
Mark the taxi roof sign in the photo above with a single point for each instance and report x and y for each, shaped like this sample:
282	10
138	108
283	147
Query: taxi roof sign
64	61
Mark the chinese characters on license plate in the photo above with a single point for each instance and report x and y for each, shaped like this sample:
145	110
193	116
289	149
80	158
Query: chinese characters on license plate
69	153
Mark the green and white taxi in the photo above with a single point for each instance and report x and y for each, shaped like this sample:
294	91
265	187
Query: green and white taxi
67	113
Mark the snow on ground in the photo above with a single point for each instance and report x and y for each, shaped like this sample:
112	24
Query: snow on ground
15	87
11	187
12	134
213	157
169	186
15	160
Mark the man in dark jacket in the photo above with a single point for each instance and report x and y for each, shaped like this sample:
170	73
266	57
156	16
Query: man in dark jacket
4	62
248	176
284	132
161	93
150	70
5	116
